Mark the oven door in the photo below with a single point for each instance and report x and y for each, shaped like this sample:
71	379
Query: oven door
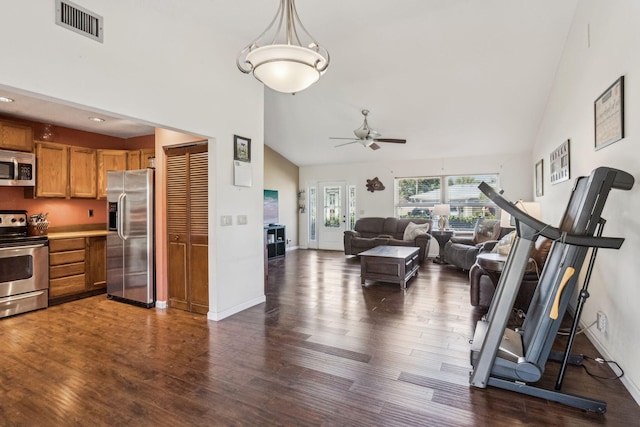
24	278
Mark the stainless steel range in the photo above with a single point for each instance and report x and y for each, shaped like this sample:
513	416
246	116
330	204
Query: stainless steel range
24	266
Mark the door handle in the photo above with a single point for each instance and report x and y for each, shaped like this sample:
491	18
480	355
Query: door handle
121	216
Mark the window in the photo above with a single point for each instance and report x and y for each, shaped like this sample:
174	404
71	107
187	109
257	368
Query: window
313	215
351	204
415	198
332	206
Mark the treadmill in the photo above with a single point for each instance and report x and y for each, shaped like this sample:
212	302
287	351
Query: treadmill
512	359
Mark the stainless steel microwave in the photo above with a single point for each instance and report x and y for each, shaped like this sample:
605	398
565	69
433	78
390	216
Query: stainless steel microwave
17	168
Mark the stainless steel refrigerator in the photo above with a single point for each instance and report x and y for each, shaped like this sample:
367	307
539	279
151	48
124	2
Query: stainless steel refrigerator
130	237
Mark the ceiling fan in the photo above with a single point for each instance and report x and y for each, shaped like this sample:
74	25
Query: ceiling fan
368	137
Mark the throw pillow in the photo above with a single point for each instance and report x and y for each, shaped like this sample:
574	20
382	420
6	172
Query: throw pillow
414	230
486	229
504	245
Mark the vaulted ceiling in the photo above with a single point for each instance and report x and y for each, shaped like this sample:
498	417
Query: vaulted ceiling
453	77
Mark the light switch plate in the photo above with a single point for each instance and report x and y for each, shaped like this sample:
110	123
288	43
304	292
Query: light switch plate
242	220
226	220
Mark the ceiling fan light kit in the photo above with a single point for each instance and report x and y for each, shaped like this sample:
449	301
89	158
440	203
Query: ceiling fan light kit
281	61
368	137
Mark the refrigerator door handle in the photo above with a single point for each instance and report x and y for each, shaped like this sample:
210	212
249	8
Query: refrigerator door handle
121	202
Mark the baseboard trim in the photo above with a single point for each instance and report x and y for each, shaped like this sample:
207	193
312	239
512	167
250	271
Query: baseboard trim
237	309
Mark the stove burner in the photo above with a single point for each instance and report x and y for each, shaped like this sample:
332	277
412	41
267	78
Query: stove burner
14	229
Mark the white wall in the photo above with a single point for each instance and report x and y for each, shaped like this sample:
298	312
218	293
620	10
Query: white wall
157	67
515	170
603	44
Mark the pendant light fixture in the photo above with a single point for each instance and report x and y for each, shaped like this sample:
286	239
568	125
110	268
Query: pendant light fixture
278	58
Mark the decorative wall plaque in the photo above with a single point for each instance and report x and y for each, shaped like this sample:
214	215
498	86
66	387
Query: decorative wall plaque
374	185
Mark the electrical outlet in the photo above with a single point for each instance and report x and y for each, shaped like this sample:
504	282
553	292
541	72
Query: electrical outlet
90	213
602	322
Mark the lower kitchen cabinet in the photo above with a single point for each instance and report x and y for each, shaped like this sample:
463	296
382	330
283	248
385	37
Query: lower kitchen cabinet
66	267
96	263
77	268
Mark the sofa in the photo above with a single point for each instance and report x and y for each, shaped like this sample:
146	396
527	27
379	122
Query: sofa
461	251
482	287
371	232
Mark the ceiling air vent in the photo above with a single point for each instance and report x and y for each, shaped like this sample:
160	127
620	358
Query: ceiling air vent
78	19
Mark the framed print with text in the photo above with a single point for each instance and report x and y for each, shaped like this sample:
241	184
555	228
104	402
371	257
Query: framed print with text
559	165
608	112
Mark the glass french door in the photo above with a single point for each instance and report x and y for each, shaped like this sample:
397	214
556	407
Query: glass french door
333	214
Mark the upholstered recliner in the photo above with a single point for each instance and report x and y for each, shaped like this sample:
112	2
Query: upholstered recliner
461	251
482	288
371	232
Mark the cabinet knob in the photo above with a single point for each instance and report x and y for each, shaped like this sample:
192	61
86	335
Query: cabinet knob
176	237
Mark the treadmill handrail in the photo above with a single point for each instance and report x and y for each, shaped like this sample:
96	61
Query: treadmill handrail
548	230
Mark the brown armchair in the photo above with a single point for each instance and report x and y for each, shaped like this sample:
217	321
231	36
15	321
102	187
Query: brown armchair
482	287
462	251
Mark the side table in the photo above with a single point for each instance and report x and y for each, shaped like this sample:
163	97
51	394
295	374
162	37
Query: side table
442	237
493	264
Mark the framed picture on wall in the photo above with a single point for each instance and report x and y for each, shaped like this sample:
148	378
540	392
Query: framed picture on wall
241	149
608	112
539	179
559	169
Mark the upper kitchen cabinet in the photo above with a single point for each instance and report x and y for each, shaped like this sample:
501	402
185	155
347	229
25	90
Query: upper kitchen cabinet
16	136
139	159
52	169
109	160
133	160
146	154
82	172
65	171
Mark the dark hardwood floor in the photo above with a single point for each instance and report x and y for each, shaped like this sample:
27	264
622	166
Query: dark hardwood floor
322	351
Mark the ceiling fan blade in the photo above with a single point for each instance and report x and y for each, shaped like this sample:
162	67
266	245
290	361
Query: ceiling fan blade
396	141
347	143
374	146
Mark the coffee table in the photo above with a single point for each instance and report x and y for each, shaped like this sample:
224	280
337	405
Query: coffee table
393	264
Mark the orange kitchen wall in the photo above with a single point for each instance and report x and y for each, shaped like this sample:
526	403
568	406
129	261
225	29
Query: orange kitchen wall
65	212
62	212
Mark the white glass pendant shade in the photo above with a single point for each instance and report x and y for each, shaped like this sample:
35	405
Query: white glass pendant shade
286	68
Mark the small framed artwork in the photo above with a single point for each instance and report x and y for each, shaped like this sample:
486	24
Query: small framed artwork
241	149
539	179
560	163
608	112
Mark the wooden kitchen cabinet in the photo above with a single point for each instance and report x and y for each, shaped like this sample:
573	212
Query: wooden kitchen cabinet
109	160
66	267
96	263
133	160
139	159
16	136
65	171
77	268
82	173
145	155
52	169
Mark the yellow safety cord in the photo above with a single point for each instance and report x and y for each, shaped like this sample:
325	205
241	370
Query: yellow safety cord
567	275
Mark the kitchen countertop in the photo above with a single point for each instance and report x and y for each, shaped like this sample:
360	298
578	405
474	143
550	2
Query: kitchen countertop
72	234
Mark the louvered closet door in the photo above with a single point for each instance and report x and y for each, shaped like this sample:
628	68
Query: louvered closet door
198	233
187	232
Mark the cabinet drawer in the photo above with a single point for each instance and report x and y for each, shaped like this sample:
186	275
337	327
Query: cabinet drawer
65	270
59	245
66	285
68	257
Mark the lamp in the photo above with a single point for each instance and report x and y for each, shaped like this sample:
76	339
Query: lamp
530	208
284	64
443	212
